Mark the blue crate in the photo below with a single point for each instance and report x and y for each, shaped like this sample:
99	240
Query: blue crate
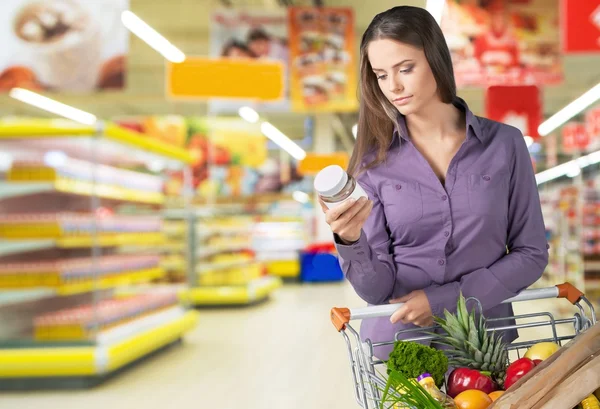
320	267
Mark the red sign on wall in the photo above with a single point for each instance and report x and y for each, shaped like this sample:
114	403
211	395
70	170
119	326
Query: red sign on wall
592	125
580	26
519	106
574	137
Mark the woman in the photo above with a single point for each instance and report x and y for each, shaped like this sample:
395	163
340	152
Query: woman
449	192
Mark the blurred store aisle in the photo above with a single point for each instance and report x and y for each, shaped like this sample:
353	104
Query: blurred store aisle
282	354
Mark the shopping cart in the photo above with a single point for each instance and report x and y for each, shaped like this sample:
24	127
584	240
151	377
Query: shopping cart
367	370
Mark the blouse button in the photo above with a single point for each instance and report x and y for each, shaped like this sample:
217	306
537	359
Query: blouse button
486	178
441	262
398	187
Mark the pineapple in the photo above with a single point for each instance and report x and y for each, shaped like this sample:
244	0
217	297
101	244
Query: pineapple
470	345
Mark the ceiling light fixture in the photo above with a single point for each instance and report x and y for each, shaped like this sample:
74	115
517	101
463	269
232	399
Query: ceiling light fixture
282	140
50	105
151	37
249	114
568	112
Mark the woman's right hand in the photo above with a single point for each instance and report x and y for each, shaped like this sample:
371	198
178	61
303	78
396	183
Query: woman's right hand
347	219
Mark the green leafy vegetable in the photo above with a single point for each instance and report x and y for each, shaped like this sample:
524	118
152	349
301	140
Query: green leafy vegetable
412	359
401	392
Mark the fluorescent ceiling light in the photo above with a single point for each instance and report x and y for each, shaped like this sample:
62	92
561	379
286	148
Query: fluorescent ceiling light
436	9
300	196
570	111
152	37
570	168
248	114
53	106
528	141
355	130
282	140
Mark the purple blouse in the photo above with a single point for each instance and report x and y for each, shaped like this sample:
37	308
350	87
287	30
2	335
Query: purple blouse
452	237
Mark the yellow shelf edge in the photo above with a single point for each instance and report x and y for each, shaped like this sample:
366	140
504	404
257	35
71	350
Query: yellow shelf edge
47	362
59	128
147	143
142	344
137	277
225	295
34	128
84	361
83	188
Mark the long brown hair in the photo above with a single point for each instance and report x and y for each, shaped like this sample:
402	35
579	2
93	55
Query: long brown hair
377	117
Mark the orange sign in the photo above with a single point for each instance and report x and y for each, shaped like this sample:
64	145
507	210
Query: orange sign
314	162
204	78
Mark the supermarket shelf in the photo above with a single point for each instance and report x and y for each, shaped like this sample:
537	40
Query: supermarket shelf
135	342
137	277
114	240
283	268
223	265
211	251
81	188
8	297
255	291
173	263
41	128
8	247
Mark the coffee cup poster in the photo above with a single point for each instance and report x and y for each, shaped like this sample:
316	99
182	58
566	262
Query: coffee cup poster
77	46
504	42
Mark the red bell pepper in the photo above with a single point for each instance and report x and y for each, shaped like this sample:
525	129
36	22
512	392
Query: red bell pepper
517	370
462	379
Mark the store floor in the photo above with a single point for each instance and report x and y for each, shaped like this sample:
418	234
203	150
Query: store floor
280	354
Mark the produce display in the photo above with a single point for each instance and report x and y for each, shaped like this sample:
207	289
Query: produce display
483	376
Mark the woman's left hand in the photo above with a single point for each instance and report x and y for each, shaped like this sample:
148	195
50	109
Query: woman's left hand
416	310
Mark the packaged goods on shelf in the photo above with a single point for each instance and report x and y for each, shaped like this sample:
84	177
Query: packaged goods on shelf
74	169
82	322
55	225
81	223
72	274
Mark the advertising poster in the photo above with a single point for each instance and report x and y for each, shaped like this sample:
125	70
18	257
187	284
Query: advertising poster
250	35
580	26
63	45
322	59
504	42
231	159
517	105
574	137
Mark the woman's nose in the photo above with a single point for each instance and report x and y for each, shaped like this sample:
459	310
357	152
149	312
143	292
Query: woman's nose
395	84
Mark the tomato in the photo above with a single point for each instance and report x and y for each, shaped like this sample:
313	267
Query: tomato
517	370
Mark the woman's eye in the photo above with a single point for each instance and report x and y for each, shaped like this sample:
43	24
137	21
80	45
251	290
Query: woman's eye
407	70
381	77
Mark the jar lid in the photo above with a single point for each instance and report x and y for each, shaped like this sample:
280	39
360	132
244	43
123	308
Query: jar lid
423	376
330	180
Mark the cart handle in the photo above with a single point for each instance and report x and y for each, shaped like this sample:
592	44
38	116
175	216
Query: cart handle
342	316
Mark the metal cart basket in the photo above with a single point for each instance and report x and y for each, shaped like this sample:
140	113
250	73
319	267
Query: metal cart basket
366	368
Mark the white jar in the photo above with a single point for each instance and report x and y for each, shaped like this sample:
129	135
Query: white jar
335	186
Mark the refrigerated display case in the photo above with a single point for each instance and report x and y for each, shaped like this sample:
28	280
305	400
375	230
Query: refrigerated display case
81	252
243	247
